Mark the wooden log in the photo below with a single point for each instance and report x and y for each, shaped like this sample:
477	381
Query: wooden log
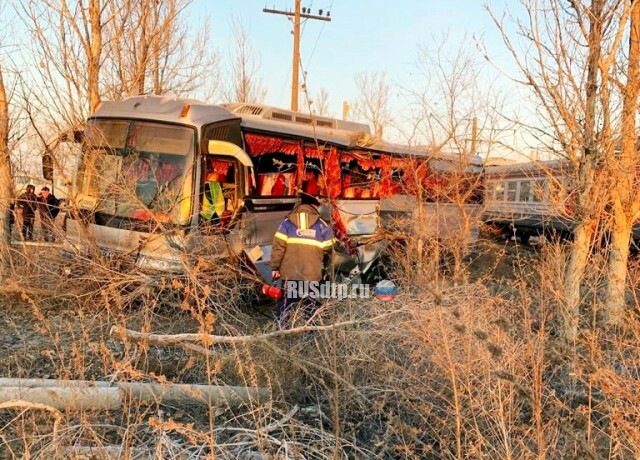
209	339
83	394
70	398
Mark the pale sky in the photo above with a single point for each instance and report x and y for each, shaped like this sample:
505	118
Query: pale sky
363	36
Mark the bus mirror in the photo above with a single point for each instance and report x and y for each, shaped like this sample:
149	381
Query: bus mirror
47	166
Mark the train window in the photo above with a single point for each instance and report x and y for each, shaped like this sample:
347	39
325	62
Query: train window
557	191
512	190
525	191
498	191
539	188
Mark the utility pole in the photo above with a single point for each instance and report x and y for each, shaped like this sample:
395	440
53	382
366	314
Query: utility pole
474	135
297	15
345	110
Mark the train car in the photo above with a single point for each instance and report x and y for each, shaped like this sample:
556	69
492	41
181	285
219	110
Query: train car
528	199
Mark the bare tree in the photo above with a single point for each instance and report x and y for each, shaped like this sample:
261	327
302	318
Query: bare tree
67	45
321	102
572	64
6	186
152	49
374	100
444	107
7	127
625	201
452	104
245	83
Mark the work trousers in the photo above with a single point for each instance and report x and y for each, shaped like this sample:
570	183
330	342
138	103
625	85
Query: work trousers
27	228
292	307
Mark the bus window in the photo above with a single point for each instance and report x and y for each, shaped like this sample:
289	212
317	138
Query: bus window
219	190
228	131
136	170
539	191
312	183
276	174
361	182
525	191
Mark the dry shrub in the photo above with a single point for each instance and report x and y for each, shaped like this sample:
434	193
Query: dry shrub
448	369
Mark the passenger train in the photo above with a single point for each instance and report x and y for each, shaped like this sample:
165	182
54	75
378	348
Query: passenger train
532	199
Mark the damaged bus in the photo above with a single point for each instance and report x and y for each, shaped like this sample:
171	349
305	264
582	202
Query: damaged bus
166	182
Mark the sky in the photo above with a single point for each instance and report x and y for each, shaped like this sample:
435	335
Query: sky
363	37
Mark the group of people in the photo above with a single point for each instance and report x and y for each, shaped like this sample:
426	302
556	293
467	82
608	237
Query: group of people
46	204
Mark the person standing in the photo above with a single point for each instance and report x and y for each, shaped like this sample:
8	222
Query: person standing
27	206
300	245
49	207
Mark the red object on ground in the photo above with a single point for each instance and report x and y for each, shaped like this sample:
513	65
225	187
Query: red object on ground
272	291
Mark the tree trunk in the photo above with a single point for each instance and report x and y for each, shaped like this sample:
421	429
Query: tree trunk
617	269
6	186
584	231
625	202
570	312
95	52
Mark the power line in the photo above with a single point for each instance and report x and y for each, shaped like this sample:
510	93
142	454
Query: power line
315	45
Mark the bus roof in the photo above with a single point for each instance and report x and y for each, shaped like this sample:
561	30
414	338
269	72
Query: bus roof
272	120
267	119
343	133
168	109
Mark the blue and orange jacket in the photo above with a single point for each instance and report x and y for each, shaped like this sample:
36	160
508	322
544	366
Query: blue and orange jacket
300	244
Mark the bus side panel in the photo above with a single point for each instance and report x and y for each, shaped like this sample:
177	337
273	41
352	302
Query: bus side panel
439	220
258	230
360	217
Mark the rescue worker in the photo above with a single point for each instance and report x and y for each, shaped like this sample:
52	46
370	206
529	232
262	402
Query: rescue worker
27	206
48	206
300	245
213	204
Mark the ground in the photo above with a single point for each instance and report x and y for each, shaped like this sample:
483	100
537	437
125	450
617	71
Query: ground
57	327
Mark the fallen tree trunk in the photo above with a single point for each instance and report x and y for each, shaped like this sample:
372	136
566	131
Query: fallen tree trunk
71	398
209	339
83	394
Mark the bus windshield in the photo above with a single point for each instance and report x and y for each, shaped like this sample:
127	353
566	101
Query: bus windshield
136	169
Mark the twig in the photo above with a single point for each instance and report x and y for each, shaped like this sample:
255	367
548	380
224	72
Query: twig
20	404
282	421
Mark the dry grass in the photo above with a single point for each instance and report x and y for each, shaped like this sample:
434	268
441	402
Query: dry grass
462	369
